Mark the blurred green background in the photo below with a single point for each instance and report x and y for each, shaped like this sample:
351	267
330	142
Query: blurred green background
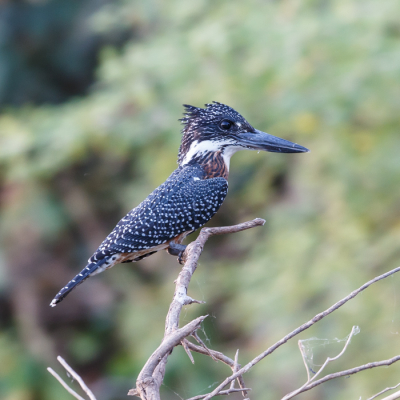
90	94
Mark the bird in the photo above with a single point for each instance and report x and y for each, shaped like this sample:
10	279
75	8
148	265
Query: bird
191	195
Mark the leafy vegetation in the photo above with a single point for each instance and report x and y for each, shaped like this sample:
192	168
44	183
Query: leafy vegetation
323	74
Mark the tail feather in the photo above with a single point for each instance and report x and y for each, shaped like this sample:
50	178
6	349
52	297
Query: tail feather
84	274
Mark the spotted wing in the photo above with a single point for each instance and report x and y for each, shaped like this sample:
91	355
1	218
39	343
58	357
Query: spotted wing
184	202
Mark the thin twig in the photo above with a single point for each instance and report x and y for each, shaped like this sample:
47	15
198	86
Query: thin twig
66	387
222	392
202	344
235	368
216	355
327	361
384	391
298	330
76	377
303	356
185	346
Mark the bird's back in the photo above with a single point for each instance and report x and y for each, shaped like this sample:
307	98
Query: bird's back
183	203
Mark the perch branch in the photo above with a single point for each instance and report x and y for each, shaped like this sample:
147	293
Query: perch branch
150	378
300	329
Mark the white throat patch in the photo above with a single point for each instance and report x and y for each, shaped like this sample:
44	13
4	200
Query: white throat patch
229	152
206	146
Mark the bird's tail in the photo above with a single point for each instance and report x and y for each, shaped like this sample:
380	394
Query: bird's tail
84	274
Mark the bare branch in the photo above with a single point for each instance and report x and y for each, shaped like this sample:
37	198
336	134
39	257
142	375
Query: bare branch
76	377
168	343
298	330
386	390
192	254
150	378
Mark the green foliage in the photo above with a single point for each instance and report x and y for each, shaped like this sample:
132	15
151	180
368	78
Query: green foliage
323	74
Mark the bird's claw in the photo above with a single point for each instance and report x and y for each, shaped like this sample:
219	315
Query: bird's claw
176	249
181	257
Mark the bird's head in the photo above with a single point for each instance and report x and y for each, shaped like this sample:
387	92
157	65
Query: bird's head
219	128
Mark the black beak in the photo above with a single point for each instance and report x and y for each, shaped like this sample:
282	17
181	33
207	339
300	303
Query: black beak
258	140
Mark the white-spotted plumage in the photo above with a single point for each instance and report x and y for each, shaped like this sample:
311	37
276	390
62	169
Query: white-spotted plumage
182	204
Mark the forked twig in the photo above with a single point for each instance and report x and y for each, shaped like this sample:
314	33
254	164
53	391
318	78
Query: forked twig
353	332
327	361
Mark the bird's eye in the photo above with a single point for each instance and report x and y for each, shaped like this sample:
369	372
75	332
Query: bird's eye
225	124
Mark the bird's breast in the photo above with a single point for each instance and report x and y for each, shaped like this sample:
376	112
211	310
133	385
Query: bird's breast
214	165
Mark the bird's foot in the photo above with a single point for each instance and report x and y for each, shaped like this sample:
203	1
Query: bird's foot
176	249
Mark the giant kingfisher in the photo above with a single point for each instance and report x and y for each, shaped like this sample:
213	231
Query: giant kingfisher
190	196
